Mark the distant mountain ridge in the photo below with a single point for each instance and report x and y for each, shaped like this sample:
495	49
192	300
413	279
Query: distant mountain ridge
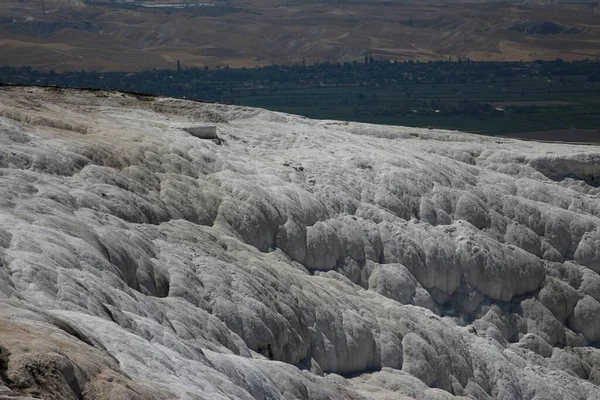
109	36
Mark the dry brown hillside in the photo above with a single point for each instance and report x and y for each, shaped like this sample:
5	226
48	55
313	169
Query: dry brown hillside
132	35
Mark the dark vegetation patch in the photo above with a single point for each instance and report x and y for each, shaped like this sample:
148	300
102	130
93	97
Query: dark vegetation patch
544	28
483	97
44	29
421	23
561	135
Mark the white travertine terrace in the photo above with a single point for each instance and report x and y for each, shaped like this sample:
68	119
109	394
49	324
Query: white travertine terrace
298	259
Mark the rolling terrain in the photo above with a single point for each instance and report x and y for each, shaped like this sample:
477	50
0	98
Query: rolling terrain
128	36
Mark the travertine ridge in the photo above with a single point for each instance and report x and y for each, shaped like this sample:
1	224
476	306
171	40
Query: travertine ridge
293	258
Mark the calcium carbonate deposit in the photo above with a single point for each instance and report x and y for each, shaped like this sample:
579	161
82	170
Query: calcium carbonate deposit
288	258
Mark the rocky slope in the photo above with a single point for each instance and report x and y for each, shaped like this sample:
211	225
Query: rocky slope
296	259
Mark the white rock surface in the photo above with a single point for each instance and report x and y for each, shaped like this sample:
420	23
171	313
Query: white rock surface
298	259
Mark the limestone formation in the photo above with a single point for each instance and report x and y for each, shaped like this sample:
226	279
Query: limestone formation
296	259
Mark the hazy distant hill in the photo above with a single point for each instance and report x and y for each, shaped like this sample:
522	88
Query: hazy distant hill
132	35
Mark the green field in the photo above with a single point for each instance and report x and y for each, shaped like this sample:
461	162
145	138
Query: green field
444	106
482	97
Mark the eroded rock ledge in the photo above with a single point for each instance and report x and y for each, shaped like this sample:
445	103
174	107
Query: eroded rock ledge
297	259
